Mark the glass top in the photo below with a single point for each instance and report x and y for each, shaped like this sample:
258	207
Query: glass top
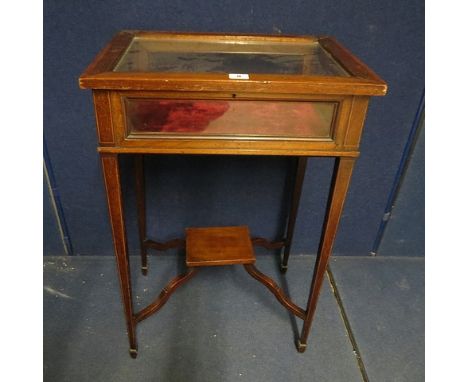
145	54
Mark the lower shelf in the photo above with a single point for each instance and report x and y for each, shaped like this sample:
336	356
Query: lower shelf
218	246
214	246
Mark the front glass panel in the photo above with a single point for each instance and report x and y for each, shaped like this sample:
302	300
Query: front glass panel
146	54
287	119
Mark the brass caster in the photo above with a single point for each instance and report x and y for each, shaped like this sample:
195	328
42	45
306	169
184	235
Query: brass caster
133	353
144	271
301	348
283	268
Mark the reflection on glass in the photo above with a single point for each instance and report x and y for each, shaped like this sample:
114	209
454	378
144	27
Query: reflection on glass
221	118
185	56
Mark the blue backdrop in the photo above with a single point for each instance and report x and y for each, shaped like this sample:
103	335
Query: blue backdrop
194	191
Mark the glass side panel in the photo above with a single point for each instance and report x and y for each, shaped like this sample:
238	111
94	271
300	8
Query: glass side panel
193	56
230	118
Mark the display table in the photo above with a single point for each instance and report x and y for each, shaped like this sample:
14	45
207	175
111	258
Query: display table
187	94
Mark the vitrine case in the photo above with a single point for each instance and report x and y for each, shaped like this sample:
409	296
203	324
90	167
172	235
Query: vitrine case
218	94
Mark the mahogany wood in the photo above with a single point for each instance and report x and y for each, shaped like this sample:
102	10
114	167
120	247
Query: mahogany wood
340	183
141	210
352	64
356	123
180	243
174	243
108	57
276	290
235	144
99	74
103	112
296	196
227	148
110	167
261	242
219	246
170	288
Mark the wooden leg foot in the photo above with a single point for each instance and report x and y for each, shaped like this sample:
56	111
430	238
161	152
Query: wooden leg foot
133	353
301	348
283	268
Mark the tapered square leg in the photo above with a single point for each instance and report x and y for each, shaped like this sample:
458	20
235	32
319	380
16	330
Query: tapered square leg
296	197
341	180
141	209
110	168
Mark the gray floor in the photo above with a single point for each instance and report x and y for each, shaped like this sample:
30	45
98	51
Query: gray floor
383	298
225	326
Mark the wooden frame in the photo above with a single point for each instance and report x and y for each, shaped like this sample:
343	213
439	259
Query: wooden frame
99	74
112	134
350	93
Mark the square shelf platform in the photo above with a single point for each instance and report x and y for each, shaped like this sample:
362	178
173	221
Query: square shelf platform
219	246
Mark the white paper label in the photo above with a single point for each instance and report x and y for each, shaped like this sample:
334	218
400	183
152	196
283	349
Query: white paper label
236	76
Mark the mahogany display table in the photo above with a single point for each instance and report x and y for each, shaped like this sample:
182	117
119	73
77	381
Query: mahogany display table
176	93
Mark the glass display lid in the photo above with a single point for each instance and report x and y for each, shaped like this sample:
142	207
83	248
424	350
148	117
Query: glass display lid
144	60
150	54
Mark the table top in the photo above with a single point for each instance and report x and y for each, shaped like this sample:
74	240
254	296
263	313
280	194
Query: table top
143	60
